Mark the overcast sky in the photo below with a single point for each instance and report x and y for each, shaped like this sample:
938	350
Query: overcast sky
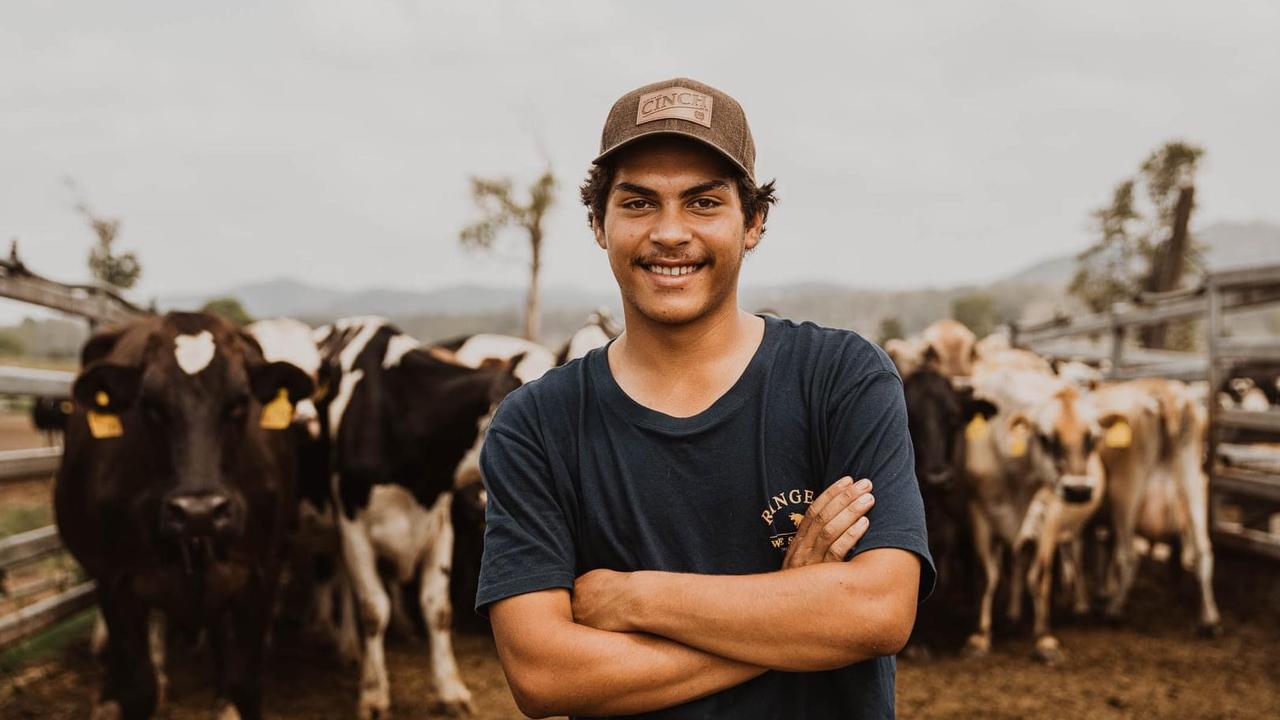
914	143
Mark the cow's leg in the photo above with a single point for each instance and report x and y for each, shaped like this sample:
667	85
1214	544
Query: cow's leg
1017	571
157	636
988	554
238	638
1073	574
1195	491
454	698
129	692
375	611
1040	580
1124	555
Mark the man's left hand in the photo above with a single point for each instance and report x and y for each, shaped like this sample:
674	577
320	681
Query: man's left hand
604	599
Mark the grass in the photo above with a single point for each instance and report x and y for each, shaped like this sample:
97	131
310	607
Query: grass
54	640
19	519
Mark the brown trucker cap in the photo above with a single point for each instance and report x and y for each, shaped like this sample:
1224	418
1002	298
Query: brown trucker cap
681	107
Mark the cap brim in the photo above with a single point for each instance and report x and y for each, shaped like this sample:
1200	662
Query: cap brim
662	131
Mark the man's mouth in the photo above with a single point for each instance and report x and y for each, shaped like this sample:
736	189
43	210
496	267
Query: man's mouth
673	270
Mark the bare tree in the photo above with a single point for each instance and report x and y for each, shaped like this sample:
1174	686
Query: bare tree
499	210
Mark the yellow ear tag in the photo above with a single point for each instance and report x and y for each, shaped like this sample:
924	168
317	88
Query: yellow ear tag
976	429
277	414
1119	435
102	398
104	425
1018	443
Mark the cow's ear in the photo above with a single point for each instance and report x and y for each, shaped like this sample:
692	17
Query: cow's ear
100	345
267	379
107	387
974	407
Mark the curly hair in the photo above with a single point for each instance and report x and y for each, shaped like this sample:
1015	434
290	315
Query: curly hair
595	194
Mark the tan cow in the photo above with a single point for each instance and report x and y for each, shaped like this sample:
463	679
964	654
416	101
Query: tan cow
949	347
1157	487
1035	479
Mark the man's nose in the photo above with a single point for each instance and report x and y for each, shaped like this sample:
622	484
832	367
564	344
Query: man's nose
671	230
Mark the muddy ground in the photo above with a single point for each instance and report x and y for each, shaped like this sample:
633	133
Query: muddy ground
1152	666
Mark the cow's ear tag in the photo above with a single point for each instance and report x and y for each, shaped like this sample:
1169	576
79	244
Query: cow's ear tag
1018	443
977	428
103	425
1119	435
277	414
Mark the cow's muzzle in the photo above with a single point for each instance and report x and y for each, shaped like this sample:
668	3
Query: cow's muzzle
204	515
1076	489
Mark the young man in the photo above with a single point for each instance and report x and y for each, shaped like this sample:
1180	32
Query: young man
673	529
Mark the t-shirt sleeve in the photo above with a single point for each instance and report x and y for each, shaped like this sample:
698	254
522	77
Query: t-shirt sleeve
869	439
528	545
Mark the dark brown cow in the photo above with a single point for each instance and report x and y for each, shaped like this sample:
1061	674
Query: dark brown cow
175	494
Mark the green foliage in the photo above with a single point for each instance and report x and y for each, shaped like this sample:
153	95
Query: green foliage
117	270
977	311
11	343
229	309
890	329
1130	236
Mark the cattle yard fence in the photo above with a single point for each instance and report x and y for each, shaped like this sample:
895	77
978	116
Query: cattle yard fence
1243	459
25	558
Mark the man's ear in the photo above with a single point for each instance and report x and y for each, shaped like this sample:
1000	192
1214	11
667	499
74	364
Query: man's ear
107	387
267	379
754	230
598	230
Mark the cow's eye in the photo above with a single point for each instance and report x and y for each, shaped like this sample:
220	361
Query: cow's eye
153	410
1089	441
237	408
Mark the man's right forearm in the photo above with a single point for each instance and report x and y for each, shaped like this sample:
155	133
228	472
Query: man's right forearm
569	669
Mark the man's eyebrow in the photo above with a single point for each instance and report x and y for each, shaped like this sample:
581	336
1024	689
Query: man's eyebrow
705	187
636	189
651	193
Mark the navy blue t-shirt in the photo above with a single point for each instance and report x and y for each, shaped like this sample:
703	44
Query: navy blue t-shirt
580	477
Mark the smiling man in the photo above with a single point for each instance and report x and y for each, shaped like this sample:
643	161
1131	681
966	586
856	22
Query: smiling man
673	528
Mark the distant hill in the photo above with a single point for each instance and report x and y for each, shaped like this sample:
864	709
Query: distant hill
1031	294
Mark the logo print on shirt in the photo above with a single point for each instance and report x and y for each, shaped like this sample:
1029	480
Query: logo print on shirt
794	502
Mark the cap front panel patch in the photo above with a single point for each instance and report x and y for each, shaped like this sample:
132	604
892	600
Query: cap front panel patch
675	102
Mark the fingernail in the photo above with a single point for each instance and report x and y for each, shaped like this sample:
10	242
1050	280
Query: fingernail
864	501
862	522
863	485
844	481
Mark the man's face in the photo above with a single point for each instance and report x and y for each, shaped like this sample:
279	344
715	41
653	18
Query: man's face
674	230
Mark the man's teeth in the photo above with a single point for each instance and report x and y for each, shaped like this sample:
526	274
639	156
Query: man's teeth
665	270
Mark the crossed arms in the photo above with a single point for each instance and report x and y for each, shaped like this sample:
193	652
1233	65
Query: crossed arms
625	643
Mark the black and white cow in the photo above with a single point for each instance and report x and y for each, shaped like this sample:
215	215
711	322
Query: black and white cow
598	331
401	417
175	493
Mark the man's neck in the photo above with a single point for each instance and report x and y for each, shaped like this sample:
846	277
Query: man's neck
682	369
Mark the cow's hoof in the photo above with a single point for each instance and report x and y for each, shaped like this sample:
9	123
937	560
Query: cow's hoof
374	708
227	711
1048	651
1209	629
917	652
1113	617
977	646
455	707
109	710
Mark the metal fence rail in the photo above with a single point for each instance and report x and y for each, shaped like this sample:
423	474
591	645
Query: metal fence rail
30	462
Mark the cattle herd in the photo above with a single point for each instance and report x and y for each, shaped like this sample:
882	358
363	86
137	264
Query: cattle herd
208	467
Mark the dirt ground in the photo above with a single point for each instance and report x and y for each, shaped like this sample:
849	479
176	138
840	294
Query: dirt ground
1153	666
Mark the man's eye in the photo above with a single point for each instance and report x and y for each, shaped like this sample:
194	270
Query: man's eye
636	204
705	203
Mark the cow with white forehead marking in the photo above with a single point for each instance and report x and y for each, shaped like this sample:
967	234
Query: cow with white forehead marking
400	419
175	493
